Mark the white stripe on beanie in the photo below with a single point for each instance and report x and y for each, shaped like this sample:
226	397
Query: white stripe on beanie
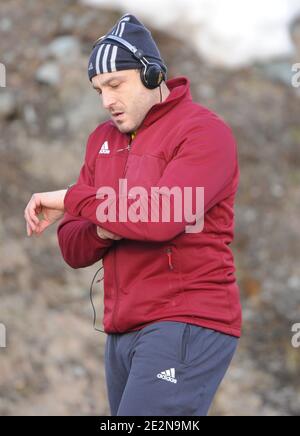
122	29
113	58
116	32
104	60
119	33
98	59
105	56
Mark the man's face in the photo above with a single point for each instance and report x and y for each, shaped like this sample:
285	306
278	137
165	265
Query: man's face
125	98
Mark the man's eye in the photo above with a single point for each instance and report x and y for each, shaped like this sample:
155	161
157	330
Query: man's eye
115	85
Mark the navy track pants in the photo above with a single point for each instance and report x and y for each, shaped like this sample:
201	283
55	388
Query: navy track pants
166	369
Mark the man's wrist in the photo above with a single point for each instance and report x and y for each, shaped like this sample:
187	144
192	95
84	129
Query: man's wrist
53	199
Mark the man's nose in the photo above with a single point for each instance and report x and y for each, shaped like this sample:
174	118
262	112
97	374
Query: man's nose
108	100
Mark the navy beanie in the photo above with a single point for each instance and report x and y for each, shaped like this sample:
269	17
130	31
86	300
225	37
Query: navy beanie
109	56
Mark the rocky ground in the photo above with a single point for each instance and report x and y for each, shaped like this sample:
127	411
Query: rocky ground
53	363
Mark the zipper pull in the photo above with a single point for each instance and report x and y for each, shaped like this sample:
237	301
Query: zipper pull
169	254
126	148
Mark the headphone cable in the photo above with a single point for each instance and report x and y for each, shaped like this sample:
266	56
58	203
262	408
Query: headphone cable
91	298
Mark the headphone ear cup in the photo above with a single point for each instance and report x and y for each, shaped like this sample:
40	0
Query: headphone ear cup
152	76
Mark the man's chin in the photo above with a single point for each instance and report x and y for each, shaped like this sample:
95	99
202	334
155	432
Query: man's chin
124	127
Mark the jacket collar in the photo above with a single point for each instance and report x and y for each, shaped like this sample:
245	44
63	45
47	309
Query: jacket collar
179	90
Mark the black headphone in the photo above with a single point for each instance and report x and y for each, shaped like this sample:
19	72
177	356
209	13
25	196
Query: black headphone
152	74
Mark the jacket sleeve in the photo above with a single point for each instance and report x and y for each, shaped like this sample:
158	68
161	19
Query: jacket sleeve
206	158
79	242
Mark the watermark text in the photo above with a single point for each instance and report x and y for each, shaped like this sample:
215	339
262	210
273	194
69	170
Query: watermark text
2	336
296	336
162	204
2	76
296	76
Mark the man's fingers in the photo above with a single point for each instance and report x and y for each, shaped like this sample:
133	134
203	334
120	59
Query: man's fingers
33	216
30	213
37	229
106	234
28	219
112	235
33	209
116	237
42	226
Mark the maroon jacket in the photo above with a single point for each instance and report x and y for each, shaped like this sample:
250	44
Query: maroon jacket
158	271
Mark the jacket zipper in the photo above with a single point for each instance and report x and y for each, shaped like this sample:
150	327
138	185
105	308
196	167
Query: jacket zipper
117	289
169	254
116	307
125	148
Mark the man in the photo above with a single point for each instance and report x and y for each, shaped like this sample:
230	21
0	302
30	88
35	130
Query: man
171	303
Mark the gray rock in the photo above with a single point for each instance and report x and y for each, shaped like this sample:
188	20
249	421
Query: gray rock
280	71
48	74
57	124
8	105
294	282
29	114
79	371
68	22
64	48
5	24
277	190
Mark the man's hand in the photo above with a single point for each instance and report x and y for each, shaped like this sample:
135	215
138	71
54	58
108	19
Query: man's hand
105	234
50	204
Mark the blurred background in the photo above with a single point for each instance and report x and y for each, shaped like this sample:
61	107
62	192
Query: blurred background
238	57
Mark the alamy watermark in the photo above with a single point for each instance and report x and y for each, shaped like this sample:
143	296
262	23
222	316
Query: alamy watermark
296	337
2	76
2	336
162	205
296	76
